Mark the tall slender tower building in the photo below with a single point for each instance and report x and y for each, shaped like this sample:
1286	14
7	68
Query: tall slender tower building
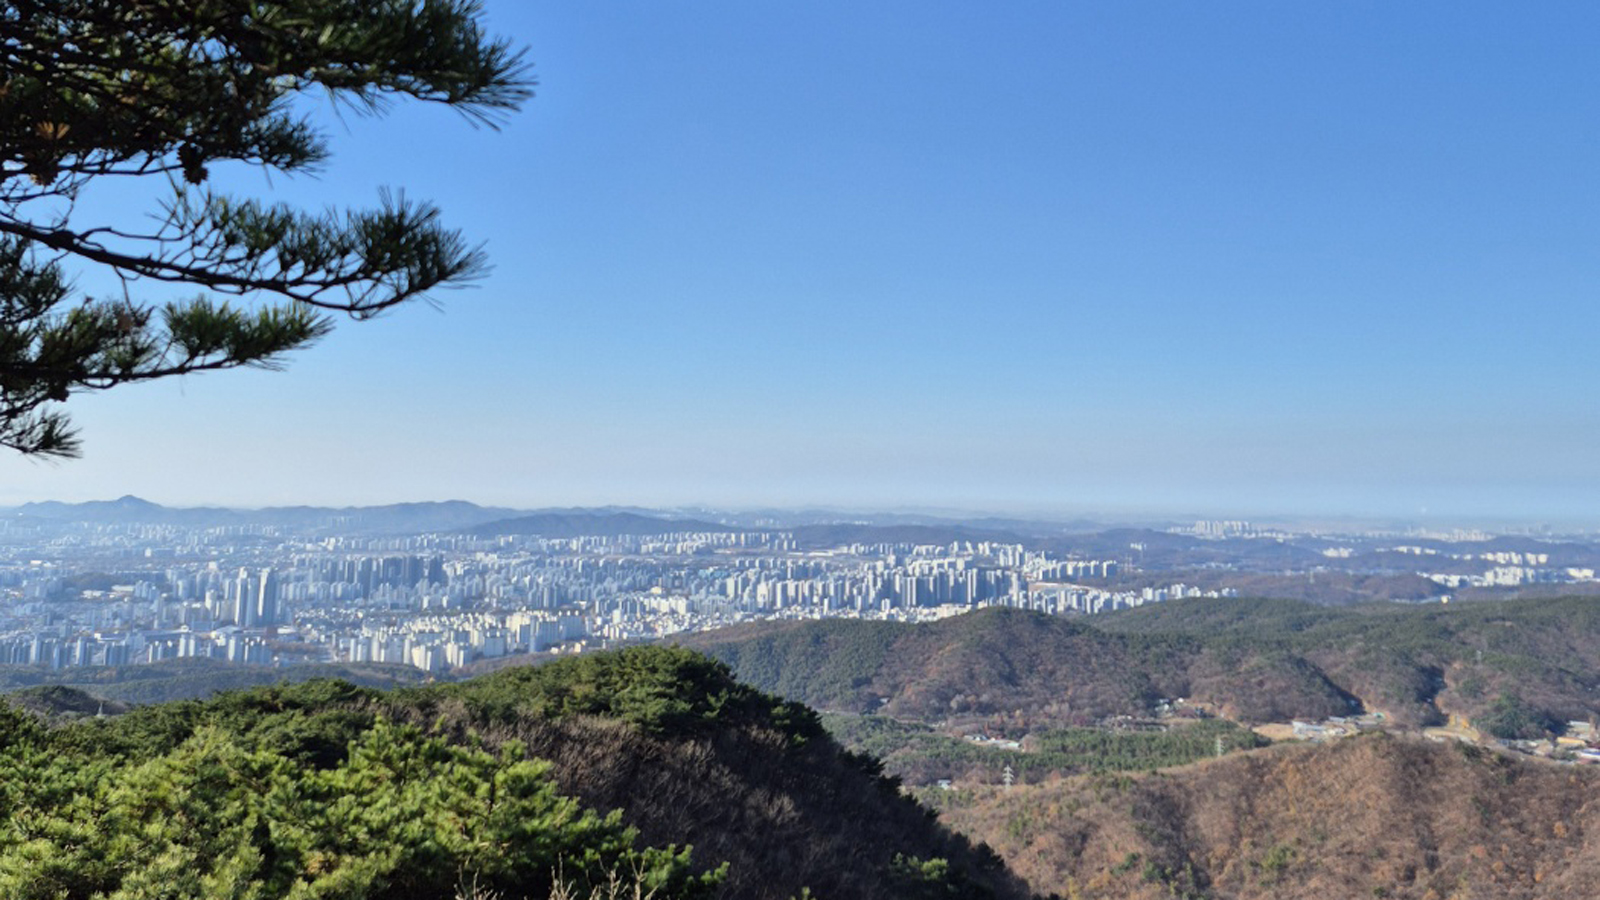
244	597
267	599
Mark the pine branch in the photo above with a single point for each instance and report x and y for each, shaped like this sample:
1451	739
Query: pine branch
93	89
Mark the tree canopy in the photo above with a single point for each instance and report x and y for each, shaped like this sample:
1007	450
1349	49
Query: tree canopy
97	90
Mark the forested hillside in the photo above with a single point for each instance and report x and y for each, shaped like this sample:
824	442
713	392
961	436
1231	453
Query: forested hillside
656	765
1251	660
606	764
195	677
1124	815
1370	817
1417	662
920	756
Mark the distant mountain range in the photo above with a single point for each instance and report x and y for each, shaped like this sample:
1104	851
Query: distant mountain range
393	518
584	523
811	527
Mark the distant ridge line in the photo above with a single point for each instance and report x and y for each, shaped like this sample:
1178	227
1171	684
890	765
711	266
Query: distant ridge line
587	524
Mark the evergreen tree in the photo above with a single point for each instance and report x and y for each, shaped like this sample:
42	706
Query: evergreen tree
91	90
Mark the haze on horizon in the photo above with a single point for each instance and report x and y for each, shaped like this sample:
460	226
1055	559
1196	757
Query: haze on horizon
1226	259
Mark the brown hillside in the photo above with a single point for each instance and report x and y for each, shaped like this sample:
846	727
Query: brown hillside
782	820
1254	660
742	778
1017	670
1376	816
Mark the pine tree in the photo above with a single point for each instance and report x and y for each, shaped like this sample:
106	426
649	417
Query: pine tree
94	90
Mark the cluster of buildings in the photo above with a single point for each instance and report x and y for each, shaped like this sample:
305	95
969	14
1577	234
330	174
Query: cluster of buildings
75	593
93	595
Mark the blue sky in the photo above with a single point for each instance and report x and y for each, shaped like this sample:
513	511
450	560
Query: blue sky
1221	258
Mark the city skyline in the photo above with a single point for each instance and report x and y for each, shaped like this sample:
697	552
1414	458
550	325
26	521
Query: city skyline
440	589
1238	259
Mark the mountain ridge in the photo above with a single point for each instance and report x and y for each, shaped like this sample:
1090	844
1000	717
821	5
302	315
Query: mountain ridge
1371	816
685	754
1252	660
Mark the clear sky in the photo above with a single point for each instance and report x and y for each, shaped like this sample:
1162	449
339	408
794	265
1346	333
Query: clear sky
1219	258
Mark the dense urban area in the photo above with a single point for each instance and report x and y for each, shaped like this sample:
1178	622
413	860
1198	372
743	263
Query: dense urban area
127	582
